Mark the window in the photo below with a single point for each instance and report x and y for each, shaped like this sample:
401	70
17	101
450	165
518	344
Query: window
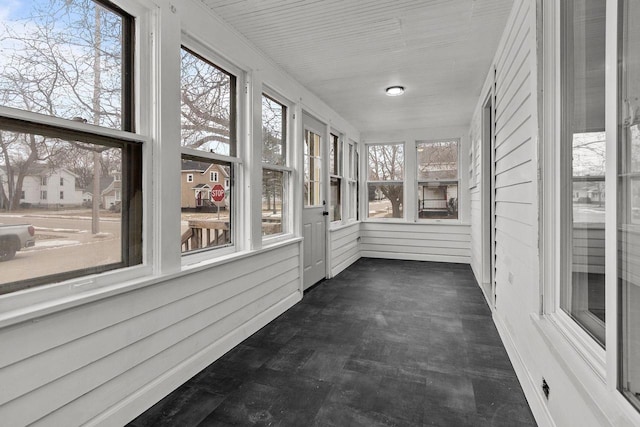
354	184
385	180
61	181
120	242
583	156
206	210
208	108
62	195
437	179
82	35
628	218
312	169
335	178
208	140
275	173
585	176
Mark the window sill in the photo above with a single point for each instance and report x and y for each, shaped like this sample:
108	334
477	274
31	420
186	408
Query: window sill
580	354
339	226
447	222
274	240
235	256
22	313
587	373
387	220
441	221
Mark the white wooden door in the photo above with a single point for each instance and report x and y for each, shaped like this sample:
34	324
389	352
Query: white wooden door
314	205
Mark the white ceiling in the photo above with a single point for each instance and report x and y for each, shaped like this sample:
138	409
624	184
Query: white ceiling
348	51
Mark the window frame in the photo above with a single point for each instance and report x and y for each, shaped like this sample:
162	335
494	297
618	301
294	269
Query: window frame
403	182
286	169
553	222
45	287
204	53
336	174
418	181
351	162
596	367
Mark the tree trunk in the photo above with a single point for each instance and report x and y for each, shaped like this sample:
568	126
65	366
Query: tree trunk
395	208
95	211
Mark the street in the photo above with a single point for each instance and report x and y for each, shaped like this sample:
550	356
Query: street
63	243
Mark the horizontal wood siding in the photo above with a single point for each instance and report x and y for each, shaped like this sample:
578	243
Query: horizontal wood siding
588	248
516	216
78	362
345	247
475	137
423	242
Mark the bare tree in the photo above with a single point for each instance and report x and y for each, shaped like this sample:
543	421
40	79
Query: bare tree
206	95
63	59
386	163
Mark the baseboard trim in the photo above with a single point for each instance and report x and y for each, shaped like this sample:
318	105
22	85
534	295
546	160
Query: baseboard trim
529	384
345	264
138	402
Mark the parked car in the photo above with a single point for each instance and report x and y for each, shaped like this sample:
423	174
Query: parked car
14	238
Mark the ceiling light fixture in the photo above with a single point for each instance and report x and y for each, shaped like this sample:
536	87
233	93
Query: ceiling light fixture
395	90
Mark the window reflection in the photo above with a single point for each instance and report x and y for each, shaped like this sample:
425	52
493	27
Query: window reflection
584	150
629	205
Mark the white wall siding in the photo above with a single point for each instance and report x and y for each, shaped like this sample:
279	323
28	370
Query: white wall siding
78	363
516	227
536	347
105	354
344	247
475	195
514	87
422	242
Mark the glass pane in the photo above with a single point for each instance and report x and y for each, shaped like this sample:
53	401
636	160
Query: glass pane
207	107
206	206
62	217
312	170
385	200
629	206
65	59
386	162
437	160
273	132
273	191
352	168
335	208
335	154
353	192
583	292
438	200
357	176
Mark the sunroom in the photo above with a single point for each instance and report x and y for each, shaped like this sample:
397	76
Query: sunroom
471	148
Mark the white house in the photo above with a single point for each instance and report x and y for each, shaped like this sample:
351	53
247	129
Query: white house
44	186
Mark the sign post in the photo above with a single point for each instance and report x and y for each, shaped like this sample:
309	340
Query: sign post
217	195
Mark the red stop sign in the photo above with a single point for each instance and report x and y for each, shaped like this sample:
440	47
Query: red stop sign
217	193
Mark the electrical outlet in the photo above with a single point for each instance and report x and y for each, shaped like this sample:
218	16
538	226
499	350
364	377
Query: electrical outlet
545	388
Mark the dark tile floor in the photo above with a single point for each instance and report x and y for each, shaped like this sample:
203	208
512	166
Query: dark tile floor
385	343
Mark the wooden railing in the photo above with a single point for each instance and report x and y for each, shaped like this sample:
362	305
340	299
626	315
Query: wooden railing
205	233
